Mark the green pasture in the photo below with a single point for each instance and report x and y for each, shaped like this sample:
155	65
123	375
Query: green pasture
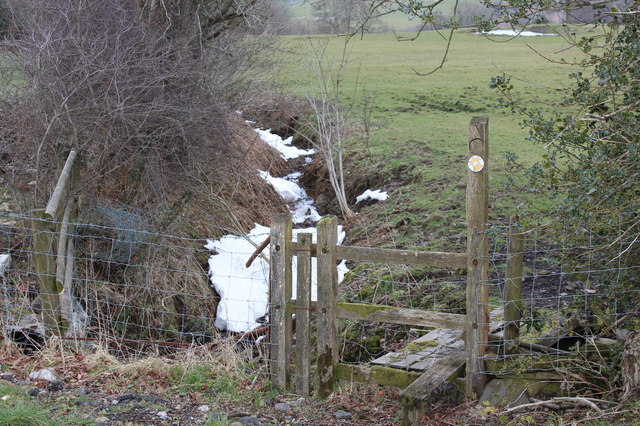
418	142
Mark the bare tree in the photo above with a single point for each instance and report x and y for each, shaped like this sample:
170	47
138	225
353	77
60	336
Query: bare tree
140	89
343	16
330	122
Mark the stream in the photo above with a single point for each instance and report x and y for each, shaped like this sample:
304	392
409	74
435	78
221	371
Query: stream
243	291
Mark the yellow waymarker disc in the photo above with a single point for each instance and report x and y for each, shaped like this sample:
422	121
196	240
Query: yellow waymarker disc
475	164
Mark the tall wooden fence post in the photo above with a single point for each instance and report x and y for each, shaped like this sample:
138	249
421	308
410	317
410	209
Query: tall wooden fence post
327	321
279	295
45	263
477	327
303	313
513	286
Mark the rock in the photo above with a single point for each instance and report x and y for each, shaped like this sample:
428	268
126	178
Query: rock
44	374
269	401
504	394
163	415
204	408
101	420
7	376
247	421
342	415
126	397
282	406
5	397
299	402
34	391
56	386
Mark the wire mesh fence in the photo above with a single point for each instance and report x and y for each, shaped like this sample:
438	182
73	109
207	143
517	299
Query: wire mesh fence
131	289
139	291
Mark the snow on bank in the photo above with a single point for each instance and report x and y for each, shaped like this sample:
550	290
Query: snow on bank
244	291
372	195
513	33
300	205
287	151
288	190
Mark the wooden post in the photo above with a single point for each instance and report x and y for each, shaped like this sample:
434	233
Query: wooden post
53	205
303	313
513	286
327	321
280	294
45	263
477	330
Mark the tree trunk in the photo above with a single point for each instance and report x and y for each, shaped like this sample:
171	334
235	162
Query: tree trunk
631	366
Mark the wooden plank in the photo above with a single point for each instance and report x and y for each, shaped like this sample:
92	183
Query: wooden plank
434	344
280	293
415	396
44	260
303	314
477	330
377	374
513	287
51	211
393	315
327	321
409	257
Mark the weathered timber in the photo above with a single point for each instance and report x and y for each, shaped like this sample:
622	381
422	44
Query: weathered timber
420	354
280	293
425	258
380	375
327	321
415	397
408	257
303	314
51	211
393	315
477	330
44	260
62	259
513	287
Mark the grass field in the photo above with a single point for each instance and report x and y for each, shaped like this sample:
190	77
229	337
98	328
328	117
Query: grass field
419	134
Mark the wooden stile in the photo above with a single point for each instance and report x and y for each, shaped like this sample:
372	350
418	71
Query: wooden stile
513	286
477	330
279	294
327	321
303	313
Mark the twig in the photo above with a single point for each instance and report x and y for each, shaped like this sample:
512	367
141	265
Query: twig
553	403
259	250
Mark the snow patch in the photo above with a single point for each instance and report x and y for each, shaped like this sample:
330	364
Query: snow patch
372	195
288	190
5	263
513	33
287	151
